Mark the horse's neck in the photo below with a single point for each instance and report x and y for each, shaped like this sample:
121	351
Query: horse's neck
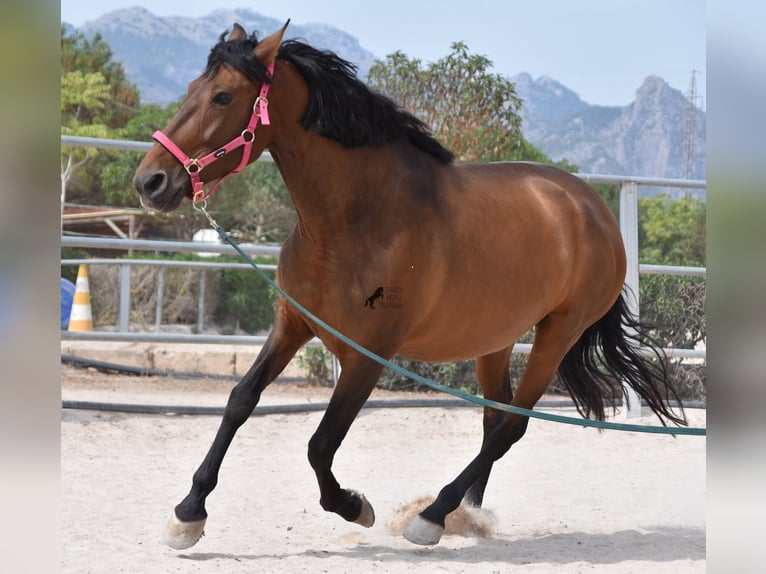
326	181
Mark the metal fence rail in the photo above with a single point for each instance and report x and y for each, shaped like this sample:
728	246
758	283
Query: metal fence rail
123	316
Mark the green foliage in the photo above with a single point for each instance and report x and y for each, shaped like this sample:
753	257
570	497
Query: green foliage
85	56
96	101
117	175
459	375
672	232
245	301
316	362
255	205
611	194
675	306
82	96
472	111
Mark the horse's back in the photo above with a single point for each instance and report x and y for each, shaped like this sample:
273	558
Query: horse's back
533	203
534	207
529	183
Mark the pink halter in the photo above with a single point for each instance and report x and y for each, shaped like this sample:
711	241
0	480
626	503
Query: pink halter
195	166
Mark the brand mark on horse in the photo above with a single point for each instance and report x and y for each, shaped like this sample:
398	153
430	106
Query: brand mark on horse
390	298
370	301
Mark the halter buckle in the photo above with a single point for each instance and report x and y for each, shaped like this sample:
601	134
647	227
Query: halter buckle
199	197
192	167
260	101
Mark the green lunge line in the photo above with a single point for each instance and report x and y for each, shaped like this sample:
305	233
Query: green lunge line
696	431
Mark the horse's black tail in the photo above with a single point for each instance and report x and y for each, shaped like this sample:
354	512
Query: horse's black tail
607	354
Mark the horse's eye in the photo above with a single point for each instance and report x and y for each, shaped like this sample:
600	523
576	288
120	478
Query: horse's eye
222	98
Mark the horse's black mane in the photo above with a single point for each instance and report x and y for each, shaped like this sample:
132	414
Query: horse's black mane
340	106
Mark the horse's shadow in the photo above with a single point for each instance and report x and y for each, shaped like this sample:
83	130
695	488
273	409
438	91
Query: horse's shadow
659	544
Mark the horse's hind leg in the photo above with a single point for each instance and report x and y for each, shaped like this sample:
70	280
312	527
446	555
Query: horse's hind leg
186	526
495	381
357	379
553	338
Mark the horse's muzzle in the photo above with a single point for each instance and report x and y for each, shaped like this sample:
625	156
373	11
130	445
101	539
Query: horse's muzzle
157	191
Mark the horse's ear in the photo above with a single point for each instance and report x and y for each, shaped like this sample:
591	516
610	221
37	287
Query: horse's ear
237	33
266	49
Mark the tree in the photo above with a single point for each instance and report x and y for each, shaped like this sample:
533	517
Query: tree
82	94
672	232
117	175
472	111
96	100
79	53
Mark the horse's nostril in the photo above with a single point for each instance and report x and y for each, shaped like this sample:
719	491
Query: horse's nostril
156	183
151	184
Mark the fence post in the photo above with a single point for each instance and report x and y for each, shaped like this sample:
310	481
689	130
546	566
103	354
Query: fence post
123	315
160	291
201	302
335	370
629	229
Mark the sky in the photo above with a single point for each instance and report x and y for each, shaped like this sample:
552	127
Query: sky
601	49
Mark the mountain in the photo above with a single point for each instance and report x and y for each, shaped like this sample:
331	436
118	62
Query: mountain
647	138
545	97
163	54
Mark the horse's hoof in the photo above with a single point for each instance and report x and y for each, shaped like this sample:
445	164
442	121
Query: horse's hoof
421	531
182	535
367	515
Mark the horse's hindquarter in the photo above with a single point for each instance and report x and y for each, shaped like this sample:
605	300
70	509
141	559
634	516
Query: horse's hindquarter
514	241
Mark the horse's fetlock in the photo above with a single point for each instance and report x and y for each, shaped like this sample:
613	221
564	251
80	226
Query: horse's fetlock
326	505
190	511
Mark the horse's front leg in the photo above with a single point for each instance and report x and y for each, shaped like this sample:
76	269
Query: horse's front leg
186	525
358	377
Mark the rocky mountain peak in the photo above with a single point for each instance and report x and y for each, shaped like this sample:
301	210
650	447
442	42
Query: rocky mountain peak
545	97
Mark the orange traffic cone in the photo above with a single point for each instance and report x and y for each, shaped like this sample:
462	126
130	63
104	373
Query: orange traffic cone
81	319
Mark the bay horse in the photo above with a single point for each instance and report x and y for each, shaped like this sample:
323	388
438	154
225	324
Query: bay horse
477	254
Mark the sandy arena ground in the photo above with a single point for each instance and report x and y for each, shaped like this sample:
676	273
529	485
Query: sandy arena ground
564	499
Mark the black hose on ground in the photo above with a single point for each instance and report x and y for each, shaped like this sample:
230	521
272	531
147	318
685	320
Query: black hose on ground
260	410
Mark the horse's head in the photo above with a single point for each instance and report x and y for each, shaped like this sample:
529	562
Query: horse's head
222	125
